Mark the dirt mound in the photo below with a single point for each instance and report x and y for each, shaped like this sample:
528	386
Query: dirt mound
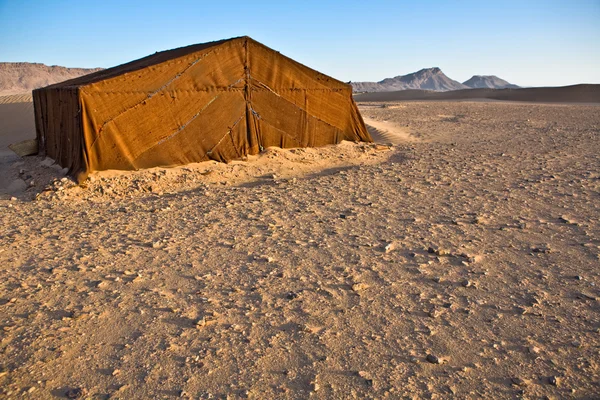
23	77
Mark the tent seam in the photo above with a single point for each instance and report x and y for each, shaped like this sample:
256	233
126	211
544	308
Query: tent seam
181	128
150	96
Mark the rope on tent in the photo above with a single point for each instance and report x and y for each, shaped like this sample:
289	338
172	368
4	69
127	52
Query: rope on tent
228	133
181	128
293	104
150	96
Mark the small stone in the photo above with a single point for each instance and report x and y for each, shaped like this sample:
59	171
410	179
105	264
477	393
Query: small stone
517	381
116	372
201	322
433	359
436	279
553	380
534	350
466	283
434	312
541	249
102	285
75	393
390	247
357	287
438	251
291	295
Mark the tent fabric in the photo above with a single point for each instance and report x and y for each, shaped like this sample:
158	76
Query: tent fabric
214	101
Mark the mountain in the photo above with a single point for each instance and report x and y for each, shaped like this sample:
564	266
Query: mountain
426	79
23	77
488	82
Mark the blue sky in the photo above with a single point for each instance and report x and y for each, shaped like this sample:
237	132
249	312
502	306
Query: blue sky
527	42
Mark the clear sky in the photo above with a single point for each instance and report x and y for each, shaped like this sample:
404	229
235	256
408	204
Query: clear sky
527	42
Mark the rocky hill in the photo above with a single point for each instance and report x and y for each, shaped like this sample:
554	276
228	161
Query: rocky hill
23	77
425	79
488	82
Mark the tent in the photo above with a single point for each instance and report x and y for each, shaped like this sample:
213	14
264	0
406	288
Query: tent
219	101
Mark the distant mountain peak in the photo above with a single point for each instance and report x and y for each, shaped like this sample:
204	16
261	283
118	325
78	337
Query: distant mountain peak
488	82
425	79
23	77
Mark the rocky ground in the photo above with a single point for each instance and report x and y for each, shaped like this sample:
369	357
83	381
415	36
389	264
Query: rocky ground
462	262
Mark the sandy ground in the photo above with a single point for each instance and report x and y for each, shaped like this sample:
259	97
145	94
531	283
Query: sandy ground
463	262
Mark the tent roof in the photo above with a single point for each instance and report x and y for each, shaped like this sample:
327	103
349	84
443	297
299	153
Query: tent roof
155	59
148	61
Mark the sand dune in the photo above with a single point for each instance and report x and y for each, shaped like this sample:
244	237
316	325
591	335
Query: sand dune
565	94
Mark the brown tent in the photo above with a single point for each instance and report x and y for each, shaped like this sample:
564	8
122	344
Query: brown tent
220	100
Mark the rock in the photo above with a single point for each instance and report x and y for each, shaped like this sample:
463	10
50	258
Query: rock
518	381
47	162
390	247
541	249
434	312
553	380
567	220
466	283
291	295
16	186
357	287
75	393
25	148
102	285
438	251
201	322
433	359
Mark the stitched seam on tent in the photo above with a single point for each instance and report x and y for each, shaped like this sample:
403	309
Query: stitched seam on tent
228	88
181	128
154	67
148	98
295	105
228	133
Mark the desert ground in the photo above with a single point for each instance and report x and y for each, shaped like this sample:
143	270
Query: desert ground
460	261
